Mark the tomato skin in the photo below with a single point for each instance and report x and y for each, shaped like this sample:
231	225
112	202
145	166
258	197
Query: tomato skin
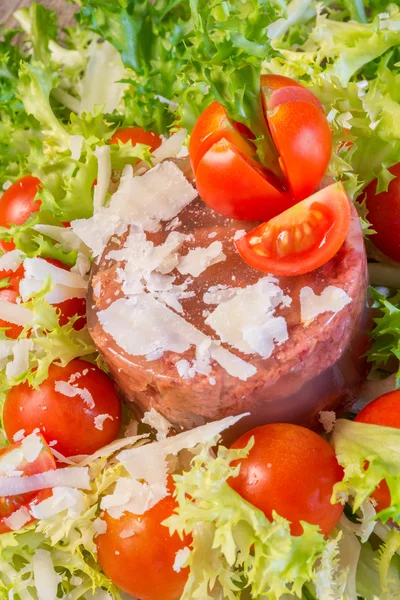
302	135
290	470
9	504
143	565
16	205
326	215
384	215
234	185
137	135
68	420
384	411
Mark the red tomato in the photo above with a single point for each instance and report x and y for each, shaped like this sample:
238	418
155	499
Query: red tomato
137	135
384	411
9	504
290	470
76	406
142	564
384	215
302	238
16	205
68	308
11	294
229	177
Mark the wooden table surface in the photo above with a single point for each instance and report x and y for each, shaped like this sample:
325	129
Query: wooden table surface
64	10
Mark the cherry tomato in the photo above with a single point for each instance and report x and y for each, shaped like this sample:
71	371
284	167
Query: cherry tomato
384	215
137	135
17	204
290	470
68	308
76	406
384	411
142	564
302	238
229	177
9	504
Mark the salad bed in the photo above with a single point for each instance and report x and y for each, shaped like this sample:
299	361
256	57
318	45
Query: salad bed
93	503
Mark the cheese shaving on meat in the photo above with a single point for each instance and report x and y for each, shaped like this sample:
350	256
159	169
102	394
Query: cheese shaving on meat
157	422
199	259
216	294
332	299
142	326
248	321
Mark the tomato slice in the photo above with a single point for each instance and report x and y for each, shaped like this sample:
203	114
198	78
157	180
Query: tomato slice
44	462
137	135
302	238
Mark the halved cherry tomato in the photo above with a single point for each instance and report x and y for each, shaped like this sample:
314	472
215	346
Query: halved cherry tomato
224	159
290	470
141	564
137	135
17	204
68	308
302	238
9	504
384	215
76	406
384	411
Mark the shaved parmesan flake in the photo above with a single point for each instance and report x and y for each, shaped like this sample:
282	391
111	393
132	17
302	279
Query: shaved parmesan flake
19	435
73	477
103	156
199	259
248	322
100	526
99	421
65	236
239	233
96	231
141	326
62	499
14	313
10	261
65	388
9	461
170	148
38	269
31	447
180	559
18	518
328	420
20	361
216	294
158	195
332	299
157	422
45	577
132	496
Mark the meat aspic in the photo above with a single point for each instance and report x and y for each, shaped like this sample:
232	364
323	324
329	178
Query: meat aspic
187	328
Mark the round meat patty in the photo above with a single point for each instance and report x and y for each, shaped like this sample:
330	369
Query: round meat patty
317	368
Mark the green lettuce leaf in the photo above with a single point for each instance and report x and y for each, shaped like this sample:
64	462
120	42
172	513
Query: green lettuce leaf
368	454
234	545
386	333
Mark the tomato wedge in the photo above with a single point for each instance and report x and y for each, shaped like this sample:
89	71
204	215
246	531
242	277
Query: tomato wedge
229	176
302	238
10	504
